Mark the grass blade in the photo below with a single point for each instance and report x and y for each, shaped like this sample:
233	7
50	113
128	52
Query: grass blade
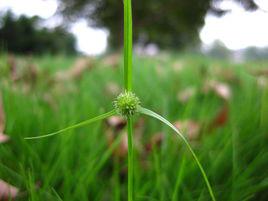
83	123
179	180
162	119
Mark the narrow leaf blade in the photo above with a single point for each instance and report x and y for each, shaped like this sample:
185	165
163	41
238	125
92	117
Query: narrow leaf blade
162	119
83	123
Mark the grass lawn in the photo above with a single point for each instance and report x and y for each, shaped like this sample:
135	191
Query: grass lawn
221	107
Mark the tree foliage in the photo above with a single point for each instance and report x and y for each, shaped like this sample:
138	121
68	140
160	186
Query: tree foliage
22	35
167	23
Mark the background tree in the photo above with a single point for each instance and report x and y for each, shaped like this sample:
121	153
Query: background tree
167	23
23	35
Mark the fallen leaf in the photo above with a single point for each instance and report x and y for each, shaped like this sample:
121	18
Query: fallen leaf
112	60
32	74
220	118
112	88
189	127
260	72
139	128
48	98
2	116
138	133
184	95
262	82
116	122
177	66
7	191
155	141
221	89
3	138
160	70
12	64
80	66
122	149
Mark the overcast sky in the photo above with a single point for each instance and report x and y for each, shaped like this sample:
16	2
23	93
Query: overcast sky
237	29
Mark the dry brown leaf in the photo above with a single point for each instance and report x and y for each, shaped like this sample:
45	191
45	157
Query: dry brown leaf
7	191
139	128
177	66
260	72
12	64
112	60
32	74
3	138
121	150
184	95
48	98
115	128
123	147
116	122
262	82
138	133
80	66
189	127
160	70
221	118
221	89
155	141
2	115
229	75
112	88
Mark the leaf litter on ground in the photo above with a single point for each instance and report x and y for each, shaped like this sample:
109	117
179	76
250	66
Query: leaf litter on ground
3	137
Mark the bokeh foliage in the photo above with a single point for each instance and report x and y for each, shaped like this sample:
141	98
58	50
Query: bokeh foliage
167	23
24	35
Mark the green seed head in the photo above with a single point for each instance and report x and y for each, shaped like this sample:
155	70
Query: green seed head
126	104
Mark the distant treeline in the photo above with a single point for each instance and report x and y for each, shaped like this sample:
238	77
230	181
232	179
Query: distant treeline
23	35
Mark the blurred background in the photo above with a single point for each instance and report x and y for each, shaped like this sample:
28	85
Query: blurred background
203	64
234	28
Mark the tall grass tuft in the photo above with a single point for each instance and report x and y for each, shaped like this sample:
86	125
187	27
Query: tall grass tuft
127	104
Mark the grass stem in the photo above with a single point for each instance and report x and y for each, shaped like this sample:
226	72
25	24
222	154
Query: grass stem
127	45
130	158
128	87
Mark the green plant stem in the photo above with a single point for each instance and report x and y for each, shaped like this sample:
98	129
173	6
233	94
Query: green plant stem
162	119
127	45
83	123
128	87
130	158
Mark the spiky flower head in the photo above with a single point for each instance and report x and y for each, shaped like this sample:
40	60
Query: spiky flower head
126	104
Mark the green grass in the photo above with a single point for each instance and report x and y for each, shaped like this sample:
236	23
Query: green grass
79	165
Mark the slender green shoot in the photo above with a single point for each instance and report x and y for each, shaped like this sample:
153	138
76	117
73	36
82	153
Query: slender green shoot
127	45
128	87
162	119
83	123
179	180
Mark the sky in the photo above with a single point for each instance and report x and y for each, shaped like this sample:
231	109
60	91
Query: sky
237	29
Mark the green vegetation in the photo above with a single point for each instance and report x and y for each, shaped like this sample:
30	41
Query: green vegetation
110	151
23	35
87	164
127	104
171	24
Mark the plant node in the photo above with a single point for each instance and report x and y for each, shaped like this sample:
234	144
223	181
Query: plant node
126	104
